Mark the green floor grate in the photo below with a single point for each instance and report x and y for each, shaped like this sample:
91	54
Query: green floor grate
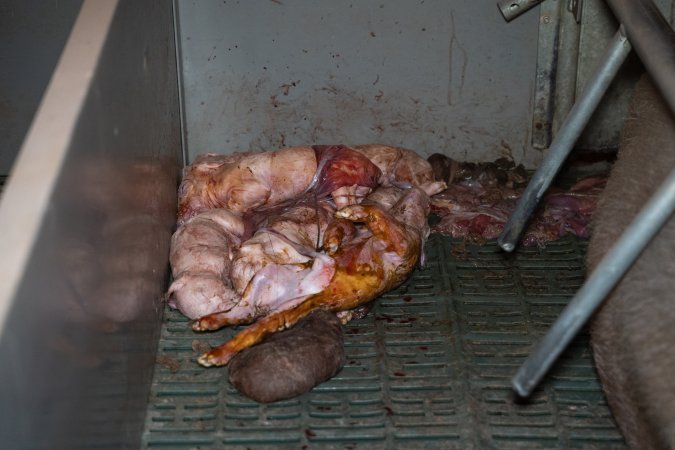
428	368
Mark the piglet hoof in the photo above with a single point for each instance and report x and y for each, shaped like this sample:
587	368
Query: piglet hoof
214	358
434	187
205	360
211	322
197	325
331	246
353	213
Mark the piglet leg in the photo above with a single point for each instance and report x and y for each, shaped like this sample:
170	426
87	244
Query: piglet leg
219	320
252	335
381	224
337	232
363	271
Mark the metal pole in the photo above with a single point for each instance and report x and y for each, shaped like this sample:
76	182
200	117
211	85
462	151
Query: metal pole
563	142
611	268
513	8
653	40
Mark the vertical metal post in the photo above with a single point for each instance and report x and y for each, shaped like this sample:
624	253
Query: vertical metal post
179	73
563	142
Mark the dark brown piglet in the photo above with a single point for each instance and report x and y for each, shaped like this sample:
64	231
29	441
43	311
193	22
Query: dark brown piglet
292	362
440	164
633	334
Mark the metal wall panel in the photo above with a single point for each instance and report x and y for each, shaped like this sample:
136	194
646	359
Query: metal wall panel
575	53
597	28
432	75
32	36
86	219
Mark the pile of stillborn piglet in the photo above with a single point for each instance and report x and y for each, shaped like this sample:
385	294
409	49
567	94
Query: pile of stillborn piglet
313	234
480	198
269	238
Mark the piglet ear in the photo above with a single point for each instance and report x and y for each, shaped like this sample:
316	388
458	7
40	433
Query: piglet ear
433	187
169	297
247	197
423	258
175	286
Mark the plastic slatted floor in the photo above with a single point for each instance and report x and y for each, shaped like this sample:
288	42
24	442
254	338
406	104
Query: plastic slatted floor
429	367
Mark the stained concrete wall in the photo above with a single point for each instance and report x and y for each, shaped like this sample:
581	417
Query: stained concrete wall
432	75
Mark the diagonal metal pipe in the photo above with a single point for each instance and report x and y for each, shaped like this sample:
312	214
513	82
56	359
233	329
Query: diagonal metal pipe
562	144
654	41
608	272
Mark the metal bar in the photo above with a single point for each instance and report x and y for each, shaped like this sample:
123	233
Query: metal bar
511	9
611	268
567	65
550	20
653	40
563	142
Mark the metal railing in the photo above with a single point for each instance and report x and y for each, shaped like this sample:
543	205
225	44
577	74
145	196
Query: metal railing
645	30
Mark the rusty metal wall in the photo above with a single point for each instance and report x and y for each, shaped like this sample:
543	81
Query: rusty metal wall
432	75
86	219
